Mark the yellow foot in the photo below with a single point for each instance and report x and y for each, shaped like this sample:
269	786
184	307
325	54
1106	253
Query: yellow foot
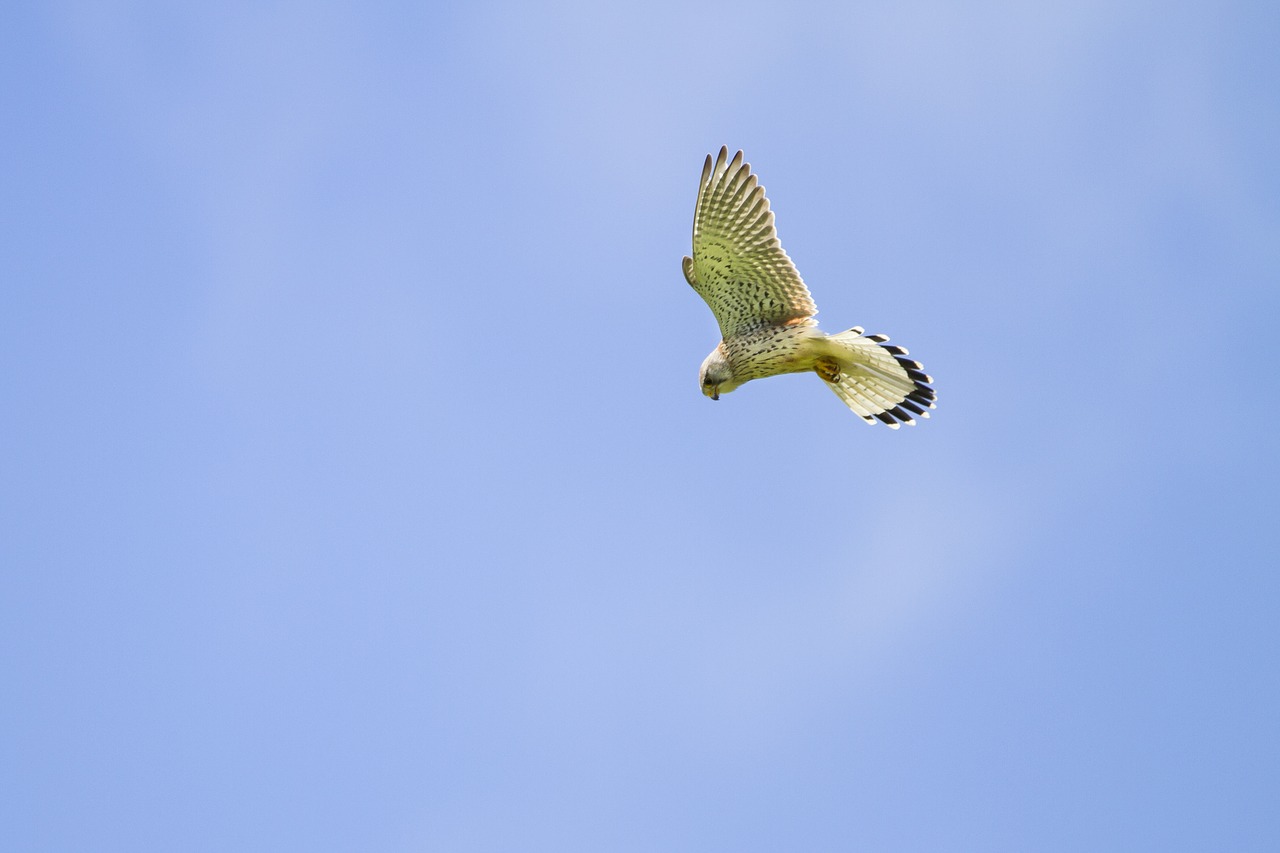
828	369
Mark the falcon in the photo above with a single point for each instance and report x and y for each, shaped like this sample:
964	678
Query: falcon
766	314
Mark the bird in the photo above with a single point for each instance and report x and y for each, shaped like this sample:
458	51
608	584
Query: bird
766	313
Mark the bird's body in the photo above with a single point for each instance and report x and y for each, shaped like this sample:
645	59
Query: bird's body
772	350
766	314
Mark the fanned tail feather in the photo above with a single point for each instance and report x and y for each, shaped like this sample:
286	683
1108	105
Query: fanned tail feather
877	381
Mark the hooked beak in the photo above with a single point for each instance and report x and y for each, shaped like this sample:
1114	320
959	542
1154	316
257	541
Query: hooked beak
713	393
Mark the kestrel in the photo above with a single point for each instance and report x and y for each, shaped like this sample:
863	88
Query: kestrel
766	314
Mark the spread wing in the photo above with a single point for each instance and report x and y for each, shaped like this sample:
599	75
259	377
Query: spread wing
738	265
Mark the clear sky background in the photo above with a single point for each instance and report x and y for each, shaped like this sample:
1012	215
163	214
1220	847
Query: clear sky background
357	491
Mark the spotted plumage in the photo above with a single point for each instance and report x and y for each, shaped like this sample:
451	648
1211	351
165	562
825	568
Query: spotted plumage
766	314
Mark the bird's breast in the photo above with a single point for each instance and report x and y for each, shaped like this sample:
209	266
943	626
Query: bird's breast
772	351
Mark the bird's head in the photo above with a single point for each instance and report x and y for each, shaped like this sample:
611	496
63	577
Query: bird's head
716	376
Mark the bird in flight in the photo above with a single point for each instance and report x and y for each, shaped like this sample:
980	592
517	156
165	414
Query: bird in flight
766	314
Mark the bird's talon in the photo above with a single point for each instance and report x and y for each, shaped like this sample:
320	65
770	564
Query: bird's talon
827	369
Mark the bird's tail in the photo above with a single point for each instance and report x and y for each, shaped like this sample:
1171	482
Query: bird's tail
877	380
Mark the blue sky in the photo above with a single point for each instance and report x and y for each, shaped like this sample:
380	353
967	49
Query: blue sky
358	492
